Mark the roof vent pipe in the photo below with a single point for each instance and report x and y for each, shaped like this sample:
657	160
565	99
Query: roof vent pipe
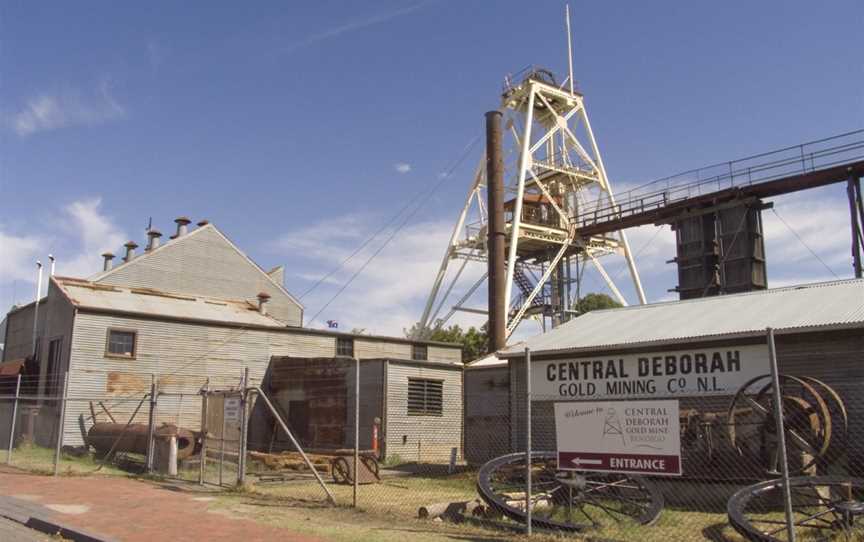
108	264
154	236
182	226
130	251
203	223
263	298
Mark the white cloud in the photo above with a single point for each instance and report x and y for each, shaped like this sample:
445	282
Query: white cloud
402	167
18	256
390	293
77	239
46	112
350	26
96	234
156	53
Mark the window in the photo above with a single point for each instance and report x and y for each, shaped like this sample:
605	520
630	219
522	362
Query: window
122	343
344	347
425	397
419	352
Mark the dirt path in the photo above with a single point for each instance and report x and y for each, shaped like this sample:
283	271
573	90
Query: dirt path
134	511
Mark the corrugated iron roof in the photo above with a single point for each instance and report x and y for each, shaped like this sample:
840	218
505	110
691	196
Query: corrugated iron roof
487	361
155	303
834	304
146	301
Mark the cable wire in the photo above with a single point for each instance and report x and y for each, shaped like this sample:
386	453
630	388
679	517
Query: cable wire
825	265
447	174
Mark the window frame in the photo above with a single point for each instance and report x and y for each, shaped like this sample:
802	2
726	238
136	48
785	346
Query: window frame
340	341
416	349
426	410
109	354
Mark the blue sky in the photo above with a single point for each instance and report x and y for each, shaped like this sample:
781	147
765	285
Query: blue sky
286	123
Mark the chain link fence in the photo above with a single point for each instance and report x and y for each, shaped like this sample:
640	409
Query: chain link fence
410	442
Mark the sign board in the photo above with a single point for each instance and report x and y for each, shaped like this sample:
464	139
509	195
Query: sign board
634	437
680	373
232	409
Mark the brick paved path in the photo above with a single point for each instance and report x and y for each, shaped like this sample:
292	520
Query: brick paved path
132	511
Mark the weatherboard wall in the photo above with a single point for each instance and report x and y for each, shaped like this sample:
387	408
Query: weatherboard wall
184	356
204	263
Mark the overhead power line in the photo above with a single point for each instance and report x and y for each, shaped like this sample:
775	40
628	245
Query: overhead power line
424	198
825	265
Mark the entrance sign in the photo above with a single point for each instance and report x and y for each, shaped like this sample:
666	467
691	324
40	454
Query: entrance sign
680	373
634	437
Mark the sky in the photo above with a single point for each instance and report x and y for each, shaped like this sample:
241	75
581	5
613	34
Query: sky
300	129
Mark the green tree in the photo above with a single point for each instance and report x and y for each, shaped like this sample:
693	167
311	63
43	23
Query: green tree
474	341
593	302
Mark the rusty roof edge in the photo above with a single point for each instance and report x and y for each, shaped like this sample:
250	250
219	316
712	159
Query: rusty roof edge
840	326
277	328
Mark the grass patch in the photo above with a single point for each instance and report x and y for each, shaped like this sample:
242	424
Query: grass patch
40	460
388	511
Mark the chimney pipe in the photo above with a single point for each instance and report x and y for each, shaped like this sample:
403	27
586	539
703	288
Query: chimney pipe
108	264
182	226
496	232
130	251
154	236
53	263
263	298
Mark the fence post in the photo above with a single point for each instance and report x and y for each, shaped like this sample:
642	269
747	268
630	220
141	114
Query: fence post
14	417
781	436
205	398
528	528
356	427
241	446
222	441
61	423
151	422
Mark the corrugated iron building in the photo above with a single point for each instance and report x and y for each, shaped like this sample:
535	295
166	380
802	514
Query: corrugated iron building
186	311
487	409
418	406
819	332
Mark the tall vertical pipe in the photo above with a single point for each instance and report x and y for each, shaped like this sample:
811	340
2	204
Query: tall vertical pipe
496	232
36	307
856	227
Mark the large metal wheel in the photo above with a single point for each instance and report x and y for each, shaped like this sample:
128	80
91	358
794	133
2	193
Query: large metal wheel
839	419
807	423
824	508
567	500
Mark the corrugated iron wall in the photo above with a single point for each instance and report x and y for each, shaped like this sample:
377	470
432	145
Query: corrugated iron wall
426	438
203	263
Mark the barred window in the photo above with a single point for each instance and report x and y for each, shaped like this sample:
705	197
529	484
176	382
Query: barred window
344	346
121	343
425	397
419	352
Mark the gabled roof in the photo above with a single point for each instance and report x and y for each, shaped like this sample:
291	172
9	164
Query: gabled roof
148	302
174	242
812	307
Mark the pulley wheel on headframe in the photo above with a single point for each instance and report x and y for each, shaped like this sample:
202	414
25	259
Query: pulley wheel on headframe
567	500
807	423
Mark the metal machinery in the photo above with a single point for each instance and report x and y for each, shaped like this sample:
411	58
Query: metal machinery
738	445
557	177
